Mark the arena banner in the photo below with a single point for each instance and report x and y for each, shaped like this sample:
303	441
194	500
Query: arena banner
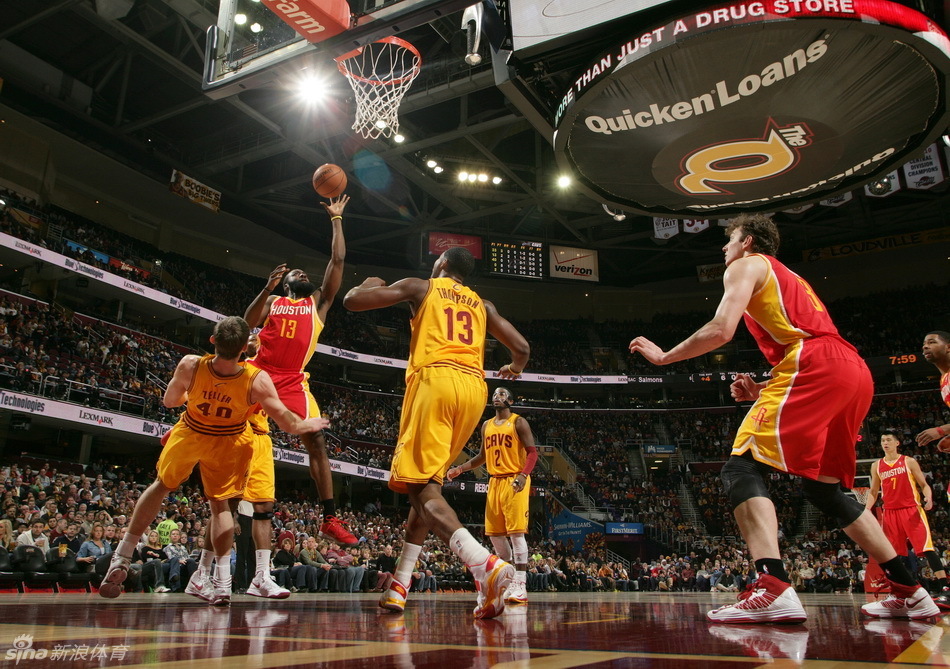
659	449
81	415
192	189
568	262
575	532
53	258
693	226
439	242
25	218
757	105
837	200
664	228
623	528
878	244
926	171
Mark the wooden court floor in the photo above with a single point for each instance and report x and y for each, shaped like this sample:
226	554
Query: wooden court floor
554	630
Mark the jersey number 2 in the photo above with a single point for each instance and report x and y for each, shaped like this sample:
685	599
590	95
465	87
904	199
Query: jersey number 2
465	319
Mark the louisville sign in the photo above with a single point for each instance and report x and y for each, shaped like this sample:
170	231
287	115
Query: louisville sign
755	106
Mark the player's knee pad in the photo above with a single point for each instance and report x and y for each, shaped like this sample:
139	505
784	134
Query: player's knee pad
742	480
263	515
831	499
502	547
519	549
934	561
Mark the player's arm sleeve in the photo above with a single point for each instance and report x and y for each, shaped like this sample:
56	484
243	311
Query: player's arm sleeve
527	440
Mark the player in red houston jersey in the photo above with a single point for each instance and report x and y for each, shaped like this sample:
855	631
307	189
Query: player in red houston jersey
897	477
936	349
804	421
288	339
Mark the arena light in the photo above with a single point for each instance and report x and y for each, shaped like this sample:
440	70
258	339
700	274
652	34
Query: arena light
463	176
381	124
399	139
438	169
256	27
483	178
431	163
240	19
563	181
496	180
472	177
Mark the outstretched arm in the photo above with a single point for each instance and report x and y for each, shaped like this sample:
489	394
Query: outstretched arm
257	311
739	283
373	293
263	391
502	330
333	277
176	393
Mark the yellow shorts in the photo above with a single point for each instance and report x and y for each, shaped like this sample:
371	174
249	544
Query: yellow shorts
441	409
506	511
261	486
224	460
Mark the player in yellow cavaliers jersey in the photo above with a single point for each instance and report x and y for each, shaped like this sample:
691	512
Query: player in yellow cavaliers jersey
445	397
213	431
509	453
291	328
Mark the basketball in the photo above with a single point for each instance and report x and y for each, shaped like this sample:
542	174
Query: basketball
329	180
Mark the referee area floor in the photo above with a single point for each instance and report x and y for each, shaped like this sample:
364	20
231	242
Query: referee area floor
666	630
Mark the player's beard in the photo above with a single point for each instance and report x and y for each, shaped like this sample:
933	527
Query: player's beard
301	288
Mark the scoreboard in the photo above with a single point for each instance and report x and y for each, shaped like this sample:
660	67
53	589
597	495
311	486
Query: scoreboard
524	259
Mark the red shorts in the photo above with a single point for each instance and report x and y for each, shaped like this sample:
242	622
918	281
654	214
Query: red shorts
907	523
293	389
807	418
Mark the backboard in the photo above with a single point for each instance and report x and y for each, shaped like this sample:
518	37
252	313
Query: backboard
250	46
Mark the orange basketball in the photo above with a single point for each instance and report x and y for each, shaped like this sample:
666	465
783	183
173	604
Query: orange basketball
329	180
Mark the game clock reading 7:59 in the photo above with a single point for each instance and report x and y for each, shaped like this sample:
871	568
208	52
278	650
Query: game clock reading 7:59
908	359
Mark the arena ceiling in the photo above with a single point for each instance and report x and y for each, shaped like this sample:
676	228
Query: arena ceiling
142	73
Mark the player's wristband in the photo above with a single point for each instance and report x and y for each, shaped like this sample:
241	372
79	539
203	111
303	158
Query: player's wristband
333	218
516	373
941	431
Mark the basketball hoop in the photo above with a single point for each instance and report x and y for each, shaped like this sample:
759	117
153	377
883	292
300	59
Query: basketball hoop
380	74
861	494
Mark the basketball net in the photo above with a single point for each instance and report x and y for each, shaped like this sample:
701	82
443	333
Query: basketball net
380	73
875	581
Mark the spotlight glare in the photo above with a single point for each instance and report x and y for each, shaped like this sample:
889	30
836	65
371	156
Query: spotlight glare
311	89
438	169
496	180
483	178
240	19
431	163
399	139
564	181
381	124
256	27
472	177
463	176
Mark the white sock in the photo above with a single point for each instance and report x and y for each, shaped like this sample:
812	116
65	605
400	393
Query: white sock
207	557
222	570
407	563
520	577
467	548
262	562
127	546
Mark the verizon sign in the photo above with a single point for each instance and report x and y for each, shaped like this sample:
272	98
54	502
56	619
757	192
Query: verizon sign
570	263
